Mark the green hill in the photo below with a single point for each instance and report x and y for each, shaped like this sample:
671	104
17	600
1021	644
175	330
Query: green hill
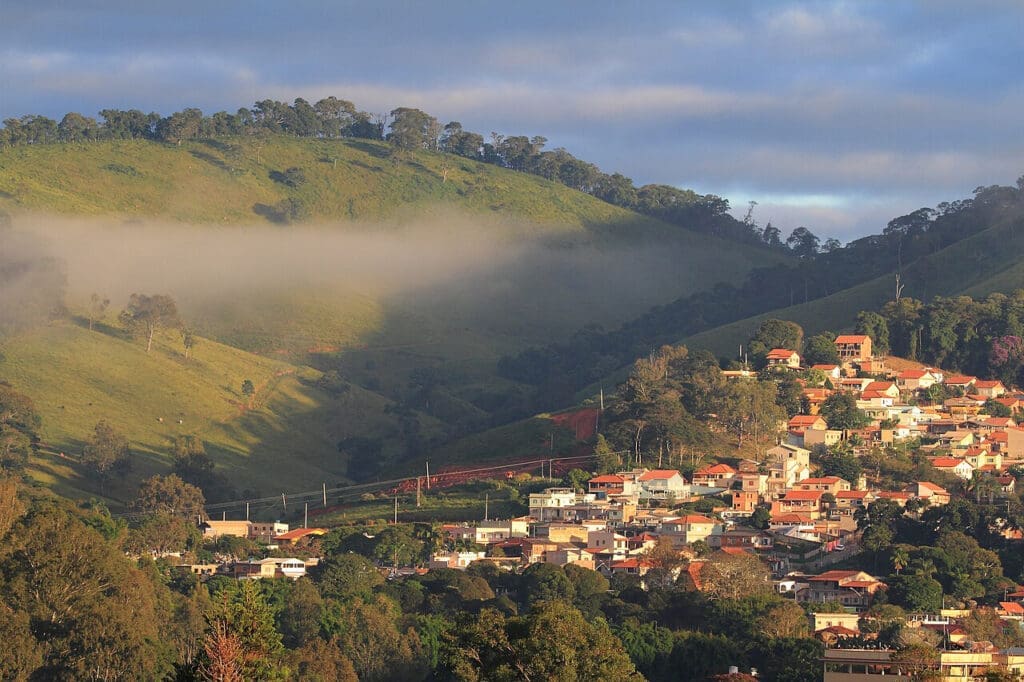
986	262
475	261
283	439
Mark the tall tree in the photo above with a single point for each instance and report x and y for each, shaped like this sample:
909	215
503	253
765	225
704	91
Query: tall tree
147	315
19	426
106	450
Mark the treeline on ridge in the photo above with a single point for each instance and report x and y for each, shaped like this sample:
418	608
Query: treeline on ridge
562	368
406	129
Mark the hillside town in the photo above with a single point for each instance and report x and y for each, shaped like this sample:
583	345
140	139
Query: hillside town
778	514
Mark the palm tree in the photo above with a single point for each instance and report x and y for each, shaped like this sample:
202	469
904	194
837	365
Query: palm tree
900	558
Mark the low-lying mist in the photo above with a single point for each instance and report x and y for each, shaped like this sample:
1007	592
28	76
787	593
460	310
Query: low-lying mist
471	271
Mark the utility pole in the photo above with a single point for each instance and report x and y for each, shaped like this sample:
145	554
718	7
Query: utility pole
428	474
417	491
284	503
305	517
325	494
246	511
223	516
487	499
396	509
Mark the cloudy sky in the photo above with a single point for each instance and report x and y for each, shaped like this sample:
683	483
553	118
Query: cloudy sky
834	115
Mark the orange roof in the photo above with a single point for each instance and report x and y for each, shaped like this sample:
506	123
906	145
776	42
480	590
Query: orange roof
987	384
659	473
895	495
933	487
868	395
912	373
780	354
693	518
825	368
851	338
607	478
1012	607
853	494
998	421
735	551
803	495
946	462
804	420
632	563
300	533
693	569
879	386
715	469
840	631
959	379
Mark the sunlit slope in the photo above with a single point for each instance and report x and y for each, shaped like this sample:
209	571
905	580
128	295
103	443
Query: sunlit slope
284	439
228	181
984	263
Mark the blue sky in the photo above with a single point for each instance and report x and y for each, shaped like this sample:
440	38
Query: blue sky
833	115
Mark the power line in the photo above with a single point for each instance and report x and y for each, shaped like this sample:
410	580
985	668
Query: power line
356	489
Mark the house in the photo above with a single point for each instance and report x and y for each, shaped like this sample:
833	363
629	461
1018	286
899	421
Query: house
815	397
553	503
802	422
828	437
214	529
714	476
686	530
266	532
953	465
853	589
989	389
632	566
1014	443
607	484
849	501
745	500
799	502
831	372
886	388
935	494
456	560
782	357
826	484
274	567
742	538
853	347
916	379
787	465
960	382
1007	484
979	457
664	483
960	439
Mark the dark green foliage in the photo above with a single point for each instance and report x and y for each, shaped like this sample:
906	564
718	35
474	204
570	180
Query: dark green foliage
915	593
19	427
840	411
821	350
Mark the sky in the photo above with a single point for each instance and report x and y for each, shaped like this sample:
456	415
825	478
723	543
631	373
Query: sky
837	116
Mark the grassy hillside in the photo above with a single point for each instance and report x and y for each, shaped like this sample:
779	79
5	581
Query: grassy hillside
284	439
512	260
227	181
979	265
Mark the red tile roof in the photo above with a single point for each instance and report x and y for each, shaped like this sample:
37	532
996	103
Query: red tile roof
1012	608
607	478
780	354
851	338
799	495
945	462
715	469
300	533
959	380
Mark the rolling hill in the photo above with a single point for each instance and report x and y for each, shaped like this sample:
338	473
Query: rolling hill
375	310
983	263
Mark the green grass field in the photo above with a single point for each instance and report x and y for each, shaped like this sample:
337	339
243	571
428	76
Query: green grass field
284	439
